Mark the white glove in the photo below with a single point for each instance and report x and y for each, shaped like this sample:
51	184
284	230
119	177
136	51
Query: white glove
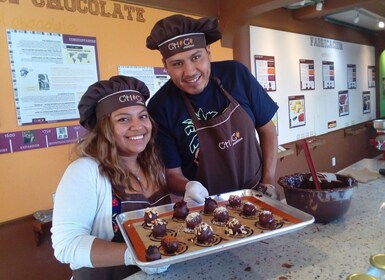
195	193
268	190
271	191
128	260
154	270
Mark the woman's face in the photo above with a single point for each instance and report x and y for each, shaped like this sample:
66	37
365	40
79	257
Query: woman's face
190	70
132	129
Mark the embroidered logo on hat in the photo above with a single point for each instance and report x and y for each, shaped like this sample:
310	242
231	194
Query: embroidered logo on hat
182	43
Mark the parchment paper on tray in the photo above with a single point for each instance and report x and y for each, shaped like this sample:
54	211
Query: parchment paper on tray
138	236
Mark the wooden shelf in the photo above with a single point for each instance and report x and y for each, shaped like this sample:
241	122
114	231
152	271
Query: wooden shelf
283	154
354	130
312	143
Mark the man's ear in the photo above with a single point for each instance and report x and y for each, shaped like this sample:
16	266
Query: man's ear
164	63
208	50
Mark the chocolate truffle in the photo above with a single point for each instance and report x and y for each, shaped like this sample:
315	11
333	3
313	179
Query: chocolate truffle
159	227
170	244
266	219
150	214
152	253
210	205
203	233
234	227
221	214
193	219
249	209
234	200
180	210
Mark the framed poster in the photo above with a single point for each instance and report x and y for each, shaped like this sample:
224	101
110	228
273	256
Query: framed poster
343	102
50	73
297	111
328	78
371	77
352	76
265	72
366	102
307	74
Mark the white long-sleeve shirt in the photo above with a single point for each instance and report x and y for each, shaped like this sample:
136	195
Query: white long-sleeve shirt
82	212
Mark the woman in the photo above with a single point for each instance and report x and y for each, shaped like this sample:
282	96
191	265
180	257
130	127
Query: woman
117	170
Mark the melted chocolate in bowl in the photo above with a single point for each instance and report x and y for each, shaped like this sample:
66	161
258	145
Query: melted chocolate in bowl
326	205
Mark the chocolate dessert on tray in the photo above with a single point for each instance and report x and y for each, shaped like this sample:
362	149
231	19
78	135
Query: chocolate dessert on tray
187	245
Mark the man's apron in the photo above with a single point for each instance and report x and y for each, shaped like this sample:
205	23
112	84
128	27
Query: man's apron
134	202
230	157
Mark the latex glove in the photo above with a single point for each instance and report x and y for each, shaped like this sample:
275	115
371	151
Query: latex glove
268	190
195	193
128	260
154	270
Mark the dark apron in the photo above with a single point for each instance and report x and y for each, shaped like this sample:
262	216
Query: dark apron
230	157
134	202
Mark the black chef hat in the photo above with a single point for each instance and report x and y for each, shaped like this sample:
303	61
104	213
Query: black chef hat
104	97
178	33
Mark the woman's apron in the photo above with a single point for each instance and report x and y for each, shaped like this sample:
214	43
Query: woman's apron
230	157
134	202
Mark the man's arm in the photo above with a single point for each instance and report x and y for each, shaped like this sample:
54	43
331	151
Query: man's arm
269	144
176	181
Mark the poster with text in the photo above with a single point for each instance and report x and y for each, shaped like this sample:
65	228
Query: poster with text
50	73
328	78
265	72
366	102
307	74
297	111
352	76
343	102
371	77
153	77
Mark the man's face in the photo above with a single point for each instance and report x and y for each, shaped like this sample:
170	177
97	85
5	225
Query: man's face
190	70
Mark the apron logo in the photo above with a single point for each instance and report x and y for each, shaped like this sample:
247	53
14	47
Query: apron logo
234	139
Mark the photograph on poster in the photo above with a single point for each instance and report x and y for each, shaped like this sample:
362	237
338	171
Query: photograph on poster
297	111
265	71
371	77
328	78
343	102
307	74
352	76
366	102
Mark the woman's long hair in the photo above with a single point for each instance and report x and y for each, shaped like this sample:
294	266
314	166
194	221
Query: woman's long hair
100	144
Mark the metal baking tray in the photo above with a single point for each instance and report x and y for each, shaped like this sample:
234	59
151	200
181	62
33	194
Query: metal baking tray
136	240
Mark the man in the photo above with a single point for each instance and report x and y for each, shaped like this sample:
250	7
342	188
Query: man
207	115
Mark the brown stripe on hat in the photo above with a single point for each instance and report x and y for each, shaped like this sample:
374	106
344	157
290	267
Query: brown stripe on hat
118	100
182	43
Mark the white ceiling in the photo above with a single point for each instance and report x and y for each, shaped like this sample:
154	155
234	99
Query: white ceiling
367	20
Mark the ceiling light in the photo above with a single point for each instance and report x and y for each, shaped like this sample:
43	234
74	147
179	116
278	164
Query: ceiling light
381	24
319	5
357	18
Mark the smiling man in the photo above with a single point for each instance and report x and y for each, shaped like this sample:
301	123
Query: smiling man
207	115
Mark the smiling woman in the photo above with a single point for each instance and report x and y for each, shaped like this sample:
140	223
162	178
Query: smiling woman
117	170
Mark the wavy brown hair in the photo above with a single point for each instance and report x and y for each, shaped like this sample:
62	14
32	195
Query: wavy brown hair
99	143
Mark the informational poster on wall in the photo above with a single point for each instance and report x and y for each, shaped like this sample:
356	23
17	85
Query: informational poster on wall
297	110
328	74
50	73
265	72
331	78
352	76
371	77
366	102
153	77
343	102
307	74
